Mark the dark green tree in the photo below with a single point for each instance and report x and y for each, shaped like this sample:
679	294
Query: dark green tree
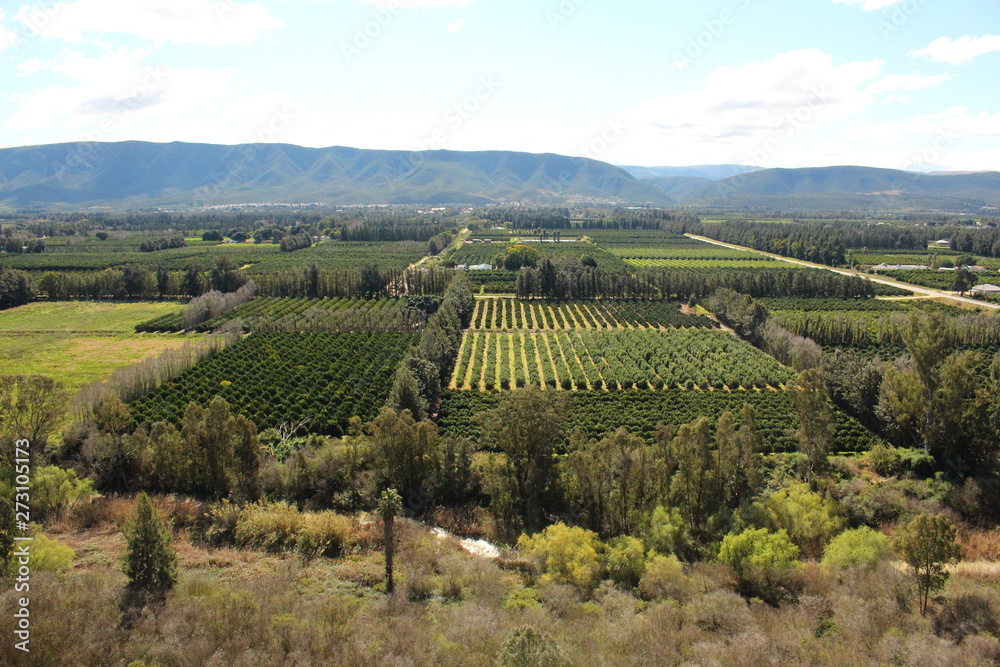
928	545
150	562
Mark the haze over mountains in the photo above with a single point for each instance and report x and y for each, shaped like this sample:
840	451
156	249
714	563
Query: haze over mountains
143	175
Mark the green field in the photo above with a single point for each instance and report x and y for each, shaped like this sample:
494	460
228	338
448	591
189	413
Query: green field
78	342
75	359
83	316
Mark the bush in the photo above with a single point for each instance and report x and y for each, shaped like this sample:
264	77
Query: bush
809	520
268	526
50	555
327	533
522	598
862	547
625	561
223	518
565	555
664	579
886	461
668	534
762	561
55	490
720	611
967	614
527	647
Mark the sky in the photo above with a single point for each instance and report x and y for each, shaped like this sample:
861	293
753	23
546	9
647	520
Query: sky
903	84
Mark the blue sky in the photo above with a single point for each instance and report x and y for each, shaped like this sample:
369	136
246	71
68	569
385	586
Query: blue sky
907	84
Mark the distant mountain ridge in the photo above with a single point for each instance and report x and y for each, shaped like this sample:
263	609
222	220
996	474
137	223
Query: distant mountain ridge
851	187
141	174
135	174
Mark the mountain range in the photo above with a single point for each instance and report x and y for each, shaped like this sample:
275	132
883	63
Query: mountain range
179	175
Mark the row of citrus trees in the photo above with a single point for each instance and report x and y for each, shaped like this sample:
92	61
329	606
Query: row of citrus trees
614	359
304	314
510	314
597	413
278	378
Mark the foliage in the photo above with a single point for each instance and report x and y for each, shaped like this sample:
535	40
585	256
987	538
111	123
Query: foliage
664	578
928	545
49	555
285	378
816	423
625	561
31	407
569	555
528	647
809	520
859	547
55	490
150	563
762	562
525	429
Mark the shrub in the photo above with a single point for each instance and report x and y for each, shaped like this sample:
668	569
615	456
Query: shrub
720	611
762	561
522	598
223	517
419	589
664	579
886	461
967	614
268	526
527	647
329	534
50	555
808	519
668	534
625	561
565	555
862	547
55	490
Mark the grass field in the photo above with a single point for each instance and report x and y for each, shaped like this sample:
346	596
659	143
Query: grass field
83	316
75	359
78	342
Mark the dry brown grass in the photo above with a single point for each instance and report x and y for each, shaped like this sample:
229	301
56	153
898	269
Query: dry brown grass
234	606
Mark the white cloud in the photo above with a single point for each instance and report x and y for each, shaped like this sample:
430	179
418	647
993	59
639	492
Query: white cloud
957	51
678	64
870	5
906	82
417	4
113	93
214	22
753	112
8	38
456	26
